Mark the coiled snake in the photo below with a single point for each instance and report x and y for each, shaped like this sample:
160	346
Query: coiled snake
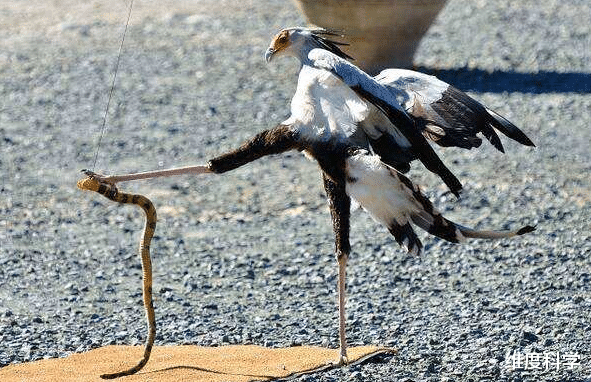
110	191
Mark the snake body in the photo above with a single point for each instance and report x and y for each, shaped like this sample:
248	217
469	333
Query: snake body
110	191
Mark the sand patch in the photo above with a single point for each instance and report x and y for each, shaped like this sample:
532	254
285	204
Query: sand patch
185	363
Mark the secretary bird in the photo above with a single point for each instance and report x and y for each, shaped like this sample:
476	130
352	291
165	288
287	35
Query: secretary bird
364	132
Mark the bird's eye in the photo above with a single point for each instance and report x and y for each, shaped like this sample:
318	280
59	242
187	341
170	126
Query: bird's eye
283	38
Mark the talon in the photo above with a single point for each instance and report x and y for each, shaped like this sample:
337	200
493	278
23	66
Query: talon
100	178
89	173
343	360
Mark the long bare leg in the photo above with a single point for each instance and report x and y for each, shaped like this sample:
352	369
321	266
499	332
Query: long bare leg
272	141
340	206
189	170
342	260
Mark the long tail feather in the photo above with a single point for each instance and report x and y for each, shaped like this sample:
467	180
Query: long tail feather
393	200
433	222
472	233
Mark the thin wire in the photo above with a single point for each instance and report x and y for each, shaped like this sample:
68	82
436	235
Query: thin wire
104	125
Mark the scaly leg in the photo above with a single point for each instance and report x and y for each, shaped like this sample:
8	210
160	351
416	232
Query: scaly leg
189	170
113	179
340	206
342	333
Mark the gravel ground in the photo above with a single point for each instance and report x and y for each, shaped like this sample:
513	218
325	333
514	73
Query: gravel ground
247	257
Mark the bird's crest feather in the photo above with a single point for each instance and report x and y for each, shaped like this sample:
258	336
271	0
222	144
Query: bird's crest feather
322	38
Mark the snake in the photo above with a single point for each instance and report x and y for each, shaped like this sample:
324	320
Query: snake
93	182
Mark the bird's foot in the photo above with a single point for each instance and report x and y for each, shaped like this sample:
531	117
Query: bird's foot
343	360
99	178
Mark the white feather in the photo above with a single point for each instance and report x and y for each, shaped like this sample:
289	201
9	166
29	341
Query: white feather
323	108
410	86
378	191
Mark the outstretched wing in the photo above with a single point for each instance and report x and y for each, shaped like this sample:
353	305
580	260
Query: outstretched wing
384	99
446	115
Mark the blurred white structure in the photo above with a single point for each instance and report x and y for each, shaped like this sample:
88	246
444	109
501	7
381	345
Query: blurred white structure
382	33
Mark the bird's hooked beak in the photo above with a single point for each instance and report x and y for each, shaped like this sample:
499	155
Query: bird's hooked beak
279	43
269	54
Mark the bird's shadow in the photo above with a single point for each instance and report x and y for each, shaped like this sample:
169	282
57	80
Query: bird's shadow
212	371
498	81
379	356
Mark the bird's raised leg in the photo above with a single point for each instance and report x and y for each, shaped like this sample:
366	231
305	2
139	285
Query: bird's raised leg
340	206
272	141
112	179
